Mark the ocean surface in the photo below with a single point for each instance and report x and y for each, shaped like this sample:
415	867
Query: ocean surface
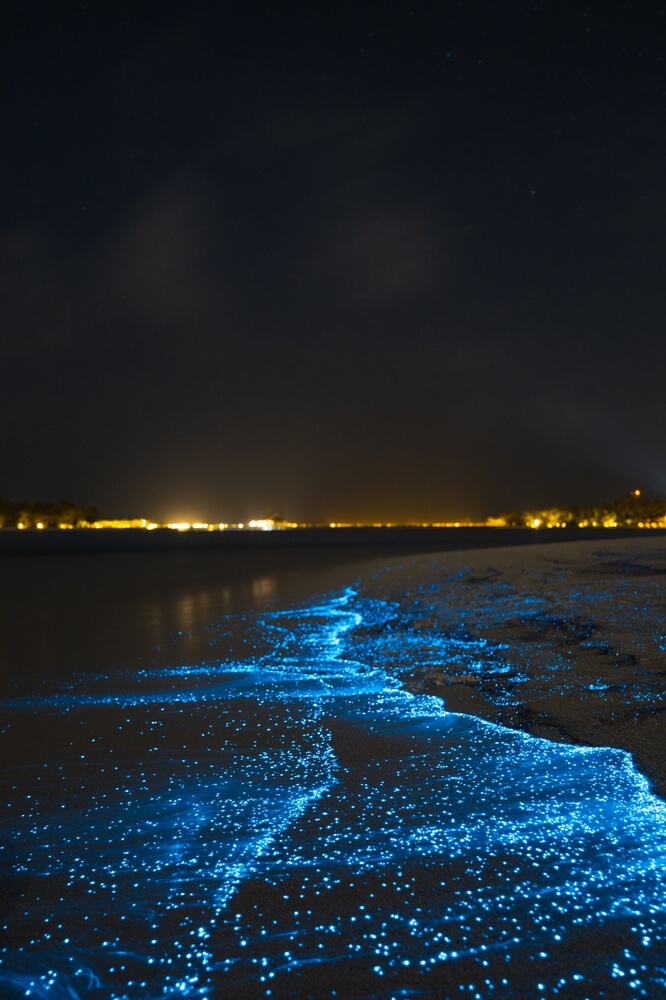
212	787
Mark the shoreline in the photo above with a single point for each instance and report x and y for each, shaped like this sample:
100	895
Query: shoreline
564	641
563	638
197	816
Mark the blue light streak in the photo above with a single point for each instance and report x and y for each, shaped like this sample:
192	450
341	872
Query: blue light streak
298	822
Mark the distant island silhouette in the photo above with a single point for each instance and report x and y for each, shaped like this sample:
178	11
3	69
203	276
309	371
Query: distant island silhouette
632	511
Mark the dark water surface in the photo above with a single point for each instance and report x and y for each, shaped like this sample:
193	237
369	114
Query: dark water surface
208	793
63	614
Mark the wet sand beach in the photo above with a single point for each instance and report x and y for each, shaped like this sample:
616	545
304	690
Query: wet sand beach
566	641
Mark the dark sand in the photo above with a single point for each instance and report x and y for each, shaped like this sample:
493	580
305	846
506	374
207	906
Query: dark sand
566	640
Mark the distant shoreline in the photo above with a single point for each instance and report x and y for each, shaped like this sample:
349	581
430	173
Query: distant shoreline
86	540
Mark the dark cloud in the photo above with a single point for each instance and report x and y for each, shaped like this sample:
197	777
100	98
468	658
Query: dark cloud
157	266
387	255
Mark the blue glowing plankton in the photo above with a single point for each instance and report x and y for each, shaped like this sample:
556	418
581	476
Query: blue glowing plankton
296	823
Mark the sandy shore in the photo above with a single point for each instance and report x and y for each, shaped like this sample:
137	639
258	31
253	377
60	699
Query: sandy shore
566	641
209	790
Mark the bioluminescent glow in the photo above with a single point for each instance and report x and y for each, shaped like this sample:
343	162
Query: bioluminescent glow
297	823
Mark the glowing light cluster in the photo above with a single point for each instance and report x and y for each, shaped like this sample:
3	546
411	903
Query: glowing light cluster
118	523
633	511
281	823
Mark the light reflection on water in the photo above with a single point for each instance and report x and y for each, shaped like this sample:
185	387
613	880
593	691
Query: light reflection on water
291	821
60	616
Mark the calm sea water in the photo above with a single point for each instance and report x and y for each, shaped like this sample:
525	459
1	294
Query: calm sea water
209	792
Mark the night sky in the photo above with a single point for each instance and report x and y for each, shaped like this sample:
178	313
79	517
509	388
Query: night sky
337	260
